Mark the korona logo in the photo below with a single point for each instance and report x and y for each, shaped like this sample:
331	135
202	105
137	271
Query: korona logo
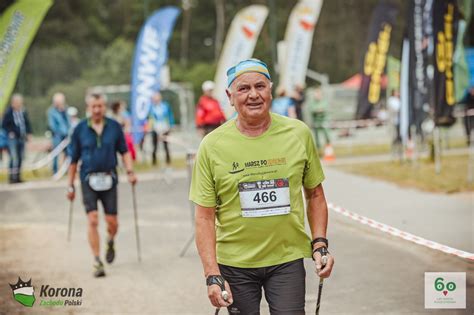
24	293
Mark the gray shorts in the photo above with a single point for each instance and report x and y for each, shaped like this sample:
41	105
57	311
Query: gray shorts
284	287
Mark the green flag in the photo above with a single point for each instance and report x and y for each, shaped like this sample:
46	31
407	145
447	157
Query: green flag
18	25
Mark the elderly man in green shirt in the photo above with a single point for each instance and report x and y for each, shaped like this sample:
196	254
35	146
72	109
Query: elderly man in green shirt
246	185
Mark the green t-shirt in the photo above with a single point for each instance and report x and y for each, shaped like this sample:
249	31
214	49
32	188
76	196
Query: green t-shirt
230	166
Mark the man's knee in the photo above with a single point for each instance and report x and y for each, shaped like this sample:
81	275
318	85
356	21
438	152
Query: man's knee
112	221
93	219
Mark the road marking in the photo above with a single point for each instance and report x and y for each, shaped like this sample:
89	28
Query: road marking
401	234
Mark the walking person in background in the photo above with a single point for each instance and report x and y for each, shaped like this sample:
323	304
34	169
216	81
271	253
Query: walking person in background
298	100
122	116
283	105
74	119
209	114
95	142
161	120
319	106
58	123
393	108
18	129
468	102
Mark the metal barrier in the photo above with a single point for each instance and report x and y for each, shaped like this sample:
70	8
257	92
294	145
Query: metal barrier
190	158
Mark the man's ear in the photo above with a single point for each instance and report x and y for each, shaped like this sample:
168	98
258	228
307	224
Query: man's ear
229	96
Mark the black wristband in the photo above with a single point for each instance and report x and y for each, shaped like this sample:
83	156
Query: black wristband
216	279
320	239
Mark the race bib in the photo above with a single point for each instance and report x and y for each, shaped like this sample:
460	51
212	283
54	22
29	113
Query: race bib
265	198
100	181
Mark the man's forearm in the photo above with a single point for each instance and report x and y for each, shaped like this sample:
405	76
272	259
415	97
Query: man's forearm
317	211
206	240
72	173
127	161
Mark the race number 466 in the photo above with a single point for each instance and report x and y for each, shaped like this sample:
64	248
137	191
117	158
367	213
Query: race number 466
265	197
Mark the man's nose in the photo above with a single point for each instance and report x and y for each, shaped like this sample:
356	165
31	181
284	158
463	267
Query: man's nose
253	93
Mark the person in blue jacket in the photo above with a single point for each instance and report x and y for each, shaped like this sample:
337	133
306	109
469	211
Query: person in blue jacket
283	105
58	123
18	129
161	120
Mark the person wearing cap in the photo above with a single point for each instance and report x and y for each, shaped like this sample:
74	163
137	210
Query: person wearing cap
209	114
73	113
246	184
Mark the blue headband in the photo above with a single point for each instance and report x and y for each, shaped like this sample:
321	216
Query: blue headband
249	65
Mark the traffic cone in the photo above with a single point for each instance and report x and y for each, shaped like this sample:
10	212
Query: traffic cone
329	153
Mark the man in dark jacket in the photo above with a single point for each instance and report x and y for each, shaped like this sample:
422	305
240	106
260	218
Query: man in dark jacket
18	129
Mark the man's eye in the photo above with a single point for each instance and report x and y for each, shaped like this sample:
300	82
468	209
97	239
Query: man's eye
243	89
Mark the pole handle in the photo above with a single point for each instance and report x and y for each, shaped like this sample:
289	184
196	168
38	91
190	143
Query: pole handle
324	260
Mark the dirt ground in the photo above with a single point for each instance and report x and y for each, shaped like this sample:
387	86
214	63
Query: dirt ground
374	273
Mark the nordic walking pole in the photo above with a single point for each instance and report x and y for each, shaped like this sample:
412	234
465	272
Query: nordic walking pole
324	261
136	223
69	227
225	296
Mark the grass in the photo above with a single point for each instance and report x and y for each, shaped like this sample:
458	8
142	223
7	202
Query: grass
383	148
361	150
453	176
46	173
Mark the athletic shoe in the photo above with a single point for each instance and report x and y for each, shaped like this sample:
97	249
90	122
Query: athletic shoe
110	254
99	270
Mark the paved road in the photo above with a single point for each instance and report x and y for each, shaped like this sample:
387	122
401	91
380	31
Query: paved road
374	273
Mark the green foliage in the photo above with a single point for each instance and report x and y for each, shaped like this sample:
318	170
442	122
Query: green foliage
114	64
195	74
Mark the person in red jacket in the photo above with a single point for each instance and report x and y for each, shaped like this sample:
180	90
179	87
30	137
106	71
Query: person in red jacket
209	114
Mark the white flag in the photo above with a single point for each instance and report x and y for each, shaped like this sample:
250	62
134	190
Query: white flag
298	40
239	45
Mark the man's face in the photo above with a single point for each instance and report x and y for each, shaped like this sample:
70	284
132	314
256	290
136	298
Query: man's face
17	102
59	102
97	108
251	95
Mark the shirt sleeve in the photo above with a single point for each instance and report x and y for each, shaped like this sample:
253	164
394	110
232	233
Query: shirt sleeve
75	146
28	128
171	116
202	191
121	144
313	172
51	124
